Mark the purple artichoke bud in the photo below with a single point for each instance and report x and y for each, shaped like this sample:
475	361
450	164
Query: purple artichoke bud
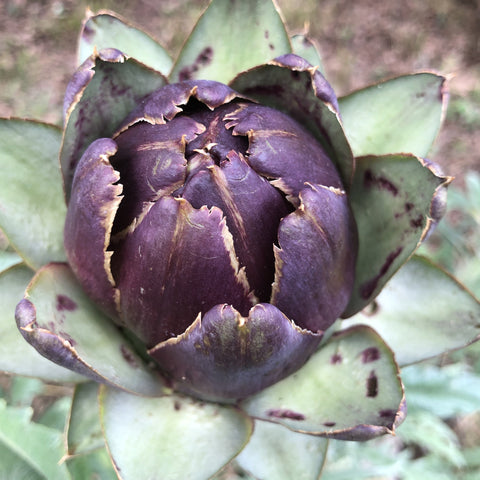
218	232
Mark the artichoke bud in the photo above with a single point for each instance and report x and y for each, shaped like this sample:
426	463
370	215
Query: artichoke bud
209	219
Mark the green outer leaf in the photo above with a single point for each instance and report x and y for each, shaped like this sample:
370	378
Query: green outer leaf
106	30
23	390
94	465
12	466
455	388
40	447
9	259
16	355
103	92
440	441
32	208
233	471
379	459
232	36
3	242
278	453
56	415
391	199
305	47
433	467
88	456
349	389
59	319
399	115
423	312
84	430
176	437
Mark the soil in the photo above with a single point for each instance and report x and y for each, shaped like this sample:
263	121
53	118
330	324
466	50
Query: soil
361	42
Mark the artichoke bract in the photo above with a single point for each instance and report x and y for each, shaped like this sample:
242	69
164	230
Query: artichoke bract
217	230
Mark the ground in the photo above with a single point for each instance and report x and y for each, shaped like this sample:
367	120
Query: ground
360	41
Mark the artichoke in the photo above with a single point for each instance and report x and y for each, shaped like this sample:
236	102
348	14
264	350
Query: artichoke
223	214
172	228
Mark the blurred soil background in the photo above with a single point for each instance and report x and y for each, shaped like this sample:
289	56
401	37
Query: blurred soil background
361	42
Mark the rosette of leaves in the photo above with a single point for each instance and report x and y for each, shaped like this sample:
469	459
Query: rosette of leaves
208	261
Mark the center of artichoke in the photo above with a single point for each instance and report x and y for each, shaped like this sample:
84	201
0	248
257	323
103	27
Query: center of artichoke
219	175
208	185
217	140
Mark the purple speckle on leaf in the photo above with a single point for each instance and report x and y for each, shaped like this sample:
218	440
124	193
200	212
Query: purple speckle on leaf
382	183
387	413
335	358
367	289
372	385
205	56
88	33
128	355
203	59
282	413
417	222
329	424
370	354
65	303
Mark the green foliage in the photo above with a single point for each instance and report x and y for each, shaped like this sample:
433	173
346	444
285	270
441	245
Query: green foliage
56	414
17	356
97	337
106	31
207	53
428	445
454	388
466	110
359	373
200	438
390	198
456	242
28	155
279	453
379	459
410	123
29	449
434	309
33	432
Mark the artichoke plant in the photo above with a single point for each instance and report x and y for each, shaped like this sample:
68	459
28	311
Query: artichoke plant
210	255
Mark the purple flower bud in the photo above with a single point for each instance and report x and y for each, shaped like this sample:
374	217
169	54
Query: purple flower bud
218	232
